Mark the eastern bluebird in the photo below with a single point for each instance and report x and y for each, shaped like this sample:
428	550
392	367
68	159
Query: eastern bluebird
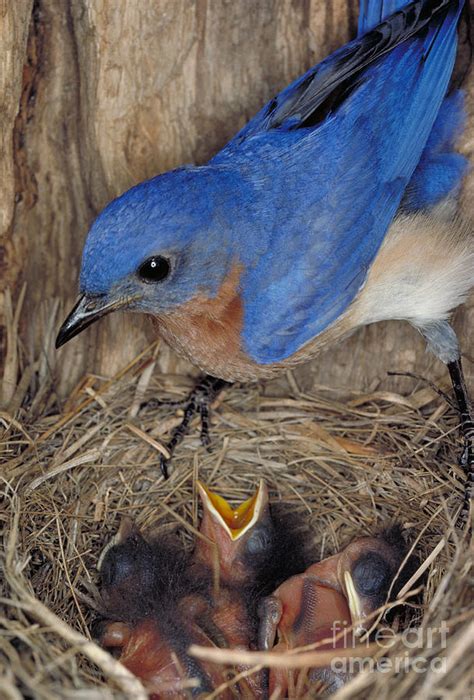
332	603
333	208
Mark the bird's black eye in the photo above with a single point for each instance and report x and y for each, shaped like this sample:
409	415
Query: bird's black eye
371	574
259	541
154	269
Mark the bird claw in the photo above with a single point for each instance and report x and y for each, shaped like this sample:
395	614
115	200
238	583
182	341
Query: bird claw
197	402
164	466
466	462
467	456
158	403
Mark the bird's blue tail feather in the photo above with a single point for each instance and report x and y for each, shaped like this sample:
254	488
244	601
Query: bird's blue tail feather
373	12
441	169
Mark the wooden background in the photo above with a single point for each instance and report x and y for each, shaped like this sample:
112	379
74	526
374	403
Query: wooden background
97	95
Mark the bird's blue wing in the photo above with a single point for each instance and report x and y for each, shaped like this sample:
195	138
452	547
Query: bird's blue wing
337	165
440	170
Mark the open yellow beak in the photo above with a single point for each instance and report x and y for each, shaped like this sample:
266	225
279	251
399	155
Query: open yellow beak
235	522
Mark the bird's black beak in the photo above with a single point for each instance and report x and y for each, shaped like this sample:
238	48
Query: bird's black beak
88	309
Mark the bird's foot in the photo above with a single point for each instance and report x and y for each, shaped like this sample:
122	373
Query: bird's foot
467	463
197	403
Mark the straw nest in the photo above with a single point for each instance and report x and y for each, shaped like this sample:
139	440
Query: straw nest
72	470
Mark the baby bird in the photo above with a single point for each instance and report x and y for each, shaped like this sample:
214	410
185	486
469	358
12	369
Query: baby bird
321	604
157	602
139	588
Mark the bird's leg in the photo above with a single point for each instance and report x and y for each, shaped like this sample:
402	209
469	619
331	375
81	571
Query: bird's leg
198	402
442	341
467	430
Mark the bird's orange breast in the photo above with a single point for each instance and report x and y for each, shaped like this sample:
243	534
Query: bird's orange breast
207	331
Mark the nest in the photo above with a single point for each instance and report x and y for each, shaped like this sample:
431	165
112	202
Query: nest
347	467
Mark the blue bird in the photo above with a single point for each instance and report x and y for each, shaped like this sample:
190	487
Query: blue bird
333	208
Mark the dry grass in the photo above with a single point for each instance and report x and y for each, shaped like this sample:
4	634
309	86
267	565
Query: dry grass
72	471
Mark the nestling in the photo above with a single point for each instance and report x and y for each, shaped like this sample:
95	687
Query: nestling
331	603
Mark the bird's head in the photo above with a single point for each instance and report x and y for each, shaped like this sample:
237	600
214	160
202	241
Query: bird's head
236	542
348	588
159	245
364	572
127	573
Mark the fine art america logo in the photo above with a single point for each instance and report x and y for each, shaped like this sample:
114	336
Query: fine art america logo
343	637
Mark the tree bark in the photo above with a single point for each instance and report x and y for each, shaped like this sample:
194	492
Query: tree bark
98	95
